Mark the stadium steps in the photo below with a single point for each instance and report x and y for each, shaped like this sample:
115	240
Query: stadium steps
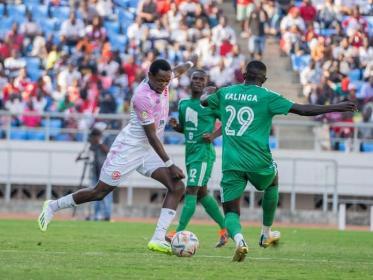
281	79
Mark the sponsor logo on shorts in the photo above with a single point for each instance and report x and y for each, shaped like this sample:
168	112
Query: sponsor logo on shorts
115	175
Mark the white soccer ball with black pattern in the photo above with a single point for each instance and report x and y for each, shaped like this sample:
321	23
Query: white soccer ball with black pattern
184	244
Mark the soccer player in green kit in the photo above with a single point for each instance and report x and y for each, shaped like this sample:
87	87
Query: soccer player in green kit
198	123
246	112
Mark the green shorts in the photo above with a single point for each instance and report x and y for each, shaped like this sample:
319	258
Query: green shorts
199	173
233	183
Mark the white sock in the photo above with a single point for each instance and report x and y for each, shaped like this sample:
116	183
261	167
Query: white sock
164	221
238	238
66	201
266	230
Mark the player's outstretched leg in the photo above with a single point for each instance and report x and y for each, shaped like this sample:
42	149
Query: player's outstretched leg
176	189
232	223
211	207
269	205
50	207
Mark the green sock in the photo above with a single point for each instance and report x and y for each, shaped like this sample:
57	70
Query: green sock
212	208
269	205
232	223
190	202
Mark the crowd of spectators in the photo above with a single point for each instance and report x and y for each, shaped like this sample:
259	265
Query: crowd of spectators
330	46
88	56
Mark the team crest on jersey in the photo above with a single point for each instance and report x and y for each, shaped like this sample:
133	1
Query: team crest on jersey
191	116
115	175
144	115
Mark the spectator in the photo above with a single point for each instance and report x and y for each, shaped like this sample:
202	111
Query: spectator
67	76
14	63
147	11
292	19
308	12
223	31
257	20
244	9
72	30
31	118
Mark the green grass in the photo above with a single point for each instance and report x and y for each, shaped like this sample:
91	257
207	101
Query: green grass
93	250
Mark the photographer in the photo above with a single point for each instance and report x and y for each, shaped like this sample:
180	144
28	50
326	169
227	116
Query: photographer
99	147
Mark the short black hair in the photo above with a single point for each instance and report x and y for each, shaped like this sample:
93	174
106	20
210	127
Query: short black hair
198	71
255	70
159	64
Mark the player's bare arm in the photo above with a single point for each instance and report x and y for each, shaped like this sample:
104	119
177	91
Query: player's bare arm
209	137
314	110
175	125
207	91
157	145
184	67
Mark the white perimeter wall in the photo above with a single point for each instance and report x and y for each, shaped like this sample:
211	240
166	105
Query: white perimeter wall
25	162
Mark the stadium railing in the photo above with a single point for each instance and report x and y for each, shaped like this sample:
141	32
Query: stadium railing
75	127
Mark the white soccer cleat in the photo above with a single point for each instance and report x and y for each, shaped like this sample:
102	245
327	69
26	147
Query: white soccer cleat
272	239
45	216
240	252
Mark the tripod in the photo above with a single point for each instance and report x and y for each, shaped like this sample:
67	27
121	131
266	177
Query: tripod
83	155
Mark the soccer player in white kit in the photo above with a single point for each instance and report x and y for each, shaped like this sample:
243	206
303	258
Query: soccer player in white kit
138	147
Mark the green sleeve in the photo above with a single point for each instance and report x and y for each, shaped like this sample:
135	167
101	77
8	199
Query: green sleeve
278	105
214	101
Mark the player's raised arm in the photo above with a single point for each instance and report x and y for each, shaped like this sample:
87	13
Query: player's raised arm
207	91
184	67
314	110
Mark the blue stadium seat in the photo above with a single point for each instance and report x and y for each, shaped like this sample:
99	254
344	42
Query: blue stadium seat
1	9
36	135
6	23
133	3
31	2
273	143
342	146
17	12
55	126
118	42
327	32
367	147
33	68
48	25
354	75
174	139
61	13
32	62
18	134
39	11
62	137
112	26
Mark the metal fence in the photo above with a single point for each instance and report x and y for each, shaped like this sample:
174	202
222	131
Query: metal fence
289	134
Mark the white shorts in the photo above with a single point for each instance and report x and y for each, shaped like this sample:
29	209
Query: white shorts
123	159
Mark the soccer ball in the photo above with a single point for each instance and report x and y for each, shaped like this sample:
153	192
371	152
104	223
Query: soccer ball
184	244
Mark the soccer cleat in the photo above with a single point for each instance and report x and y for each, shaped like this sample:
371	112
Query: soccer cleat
45	216
241	251
170	235
223	238
160	246
272	239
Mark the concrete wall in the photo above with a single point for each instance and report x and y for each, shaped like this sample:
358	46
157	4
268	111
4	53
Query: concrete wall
307	172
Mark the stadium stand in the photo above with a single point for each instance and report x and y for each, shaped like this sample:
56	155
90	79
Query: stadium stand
330	46
88	56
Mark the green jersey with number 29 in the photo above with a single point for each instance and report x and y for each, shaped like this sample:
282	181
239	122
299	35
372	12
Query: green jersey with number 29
197	120
246	114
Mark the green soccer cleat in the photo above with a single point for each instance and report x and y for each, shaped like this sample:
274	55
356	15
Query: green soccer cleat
45	216
272	239
241	252
160	246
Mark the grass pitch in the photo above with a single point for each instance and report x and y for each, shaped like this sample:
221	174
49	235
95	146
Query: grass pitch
98	250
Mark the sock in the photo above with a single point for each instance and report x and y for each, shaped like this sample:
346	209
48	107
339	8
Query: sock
266	230
232	223
66	201
238	238
164	221
212	208
190	202
269	205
